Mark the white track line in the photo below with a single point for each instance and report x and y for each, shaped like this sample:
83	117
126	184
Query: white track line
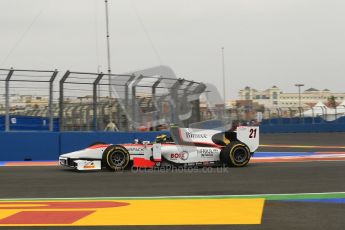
162	197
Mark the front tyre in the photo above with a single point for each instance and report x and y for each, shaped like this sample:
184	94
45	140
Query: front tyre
235	154
116	157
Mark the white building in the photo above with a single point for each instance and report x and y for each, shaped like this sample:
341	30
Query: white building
274	97
28	101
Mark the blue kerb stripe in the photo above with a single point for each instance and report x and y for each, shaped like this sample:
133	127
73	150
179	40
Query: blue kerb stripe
282	154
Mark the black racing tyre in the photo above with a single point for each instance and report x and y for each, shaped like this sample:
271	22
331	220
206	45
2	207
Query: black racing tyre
116	157
235	154
96	143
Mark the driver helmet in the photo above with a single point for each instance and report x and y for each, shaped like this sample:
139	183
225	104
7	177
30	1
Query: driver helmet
161	138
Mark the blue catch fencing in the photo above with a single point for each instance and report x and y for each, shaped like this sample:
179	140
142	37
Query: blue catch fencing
41	146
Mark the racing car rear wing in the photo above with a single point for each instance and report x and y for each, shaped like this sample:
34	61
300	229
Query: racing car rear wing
249	135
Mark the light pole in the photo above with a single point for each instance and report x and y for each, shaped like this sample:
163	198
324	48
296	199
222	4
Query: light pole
299	97
108	42
223	69
108	58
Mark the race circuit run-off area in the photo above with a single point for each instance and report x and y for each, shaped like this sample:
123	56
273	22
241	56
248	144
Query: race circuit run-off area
115	212
192	210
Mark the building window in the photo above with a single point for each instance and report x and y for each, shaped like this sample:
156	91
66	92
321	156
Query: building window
275	95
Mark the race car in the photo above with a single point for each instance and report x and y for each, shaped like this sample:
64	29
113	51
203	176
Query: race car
185	147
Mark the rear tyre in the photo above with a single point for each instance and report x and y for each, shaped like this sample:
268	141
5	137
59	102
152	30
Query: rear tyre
235	154
116	157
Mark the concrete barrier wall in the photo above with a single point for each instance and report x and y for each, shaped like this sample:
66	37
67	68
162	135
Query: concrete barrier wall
19	146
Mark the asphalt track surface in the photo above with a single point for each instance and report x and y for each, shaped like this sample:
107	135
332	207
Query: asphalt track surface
311	139
259	178
303	138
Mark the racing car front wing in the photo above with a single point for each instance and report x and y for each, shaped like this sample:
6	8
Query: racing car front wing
81	164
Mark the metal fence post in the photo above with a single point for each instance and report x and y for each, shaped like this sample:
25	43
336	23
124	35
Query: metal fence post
61	101
323	114
128	82
196	94
188	105
302	114
50	105
175	108
155	105
7	100
94	101
134	94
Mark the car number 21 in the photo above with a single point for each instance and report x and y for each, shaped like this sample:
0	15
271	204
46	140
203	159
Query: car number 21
252	133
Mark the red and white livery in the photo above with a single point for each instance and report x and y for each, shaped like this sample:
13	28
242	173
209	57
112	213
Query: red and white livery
185	148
